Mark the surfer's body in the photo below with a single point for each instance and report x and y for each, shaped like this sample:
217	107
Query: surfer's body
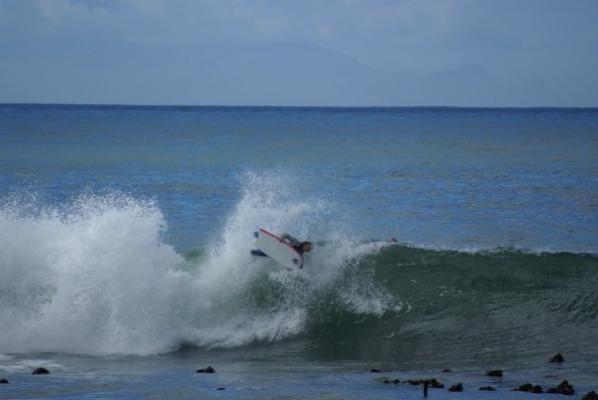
301	247
285	241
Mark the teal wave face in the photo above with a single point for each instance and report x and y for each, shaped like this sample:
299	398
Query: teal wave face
455	307
428	308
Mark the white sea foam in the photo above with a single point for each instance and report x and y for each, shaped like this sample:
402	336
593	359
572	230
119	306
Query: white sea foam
95	276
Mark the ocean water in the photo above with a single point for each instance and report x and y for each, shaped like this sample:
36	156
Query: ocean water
125	235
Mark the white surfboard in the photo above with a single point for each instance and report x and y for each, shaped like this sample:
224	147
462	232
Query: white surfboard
278	250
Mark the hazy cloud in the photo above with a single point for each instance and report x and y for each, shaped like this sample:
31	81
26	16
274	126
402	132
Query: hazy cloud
549	47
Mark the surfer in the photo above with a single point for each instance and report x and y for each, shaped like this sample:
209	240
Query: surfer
301	247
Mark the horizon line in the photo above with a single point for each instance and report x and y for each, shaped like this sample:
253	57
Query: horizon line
132	105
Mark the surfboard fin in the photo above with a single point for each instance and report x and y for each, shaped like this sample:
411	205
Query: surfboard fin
259	253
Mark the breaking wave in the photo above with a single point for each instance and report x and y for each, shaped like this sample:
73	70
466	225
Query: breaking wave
96	276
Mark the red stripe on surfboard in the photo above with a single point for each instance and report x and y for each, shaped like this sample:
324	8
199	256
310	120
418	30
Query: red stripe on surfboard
281	241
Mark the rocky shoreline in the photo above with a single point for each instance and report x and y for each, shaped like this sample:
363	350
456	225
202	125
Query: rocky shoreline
453	382
563	388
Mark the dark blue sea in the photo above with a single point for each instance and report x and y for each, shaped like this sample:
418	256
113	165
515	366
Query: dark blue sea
443	238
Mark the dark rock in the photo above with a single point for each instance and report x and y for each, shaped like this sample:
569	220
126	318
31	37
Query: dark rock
431	382
435	384
557	358
563	388
456	388
386	379
208	370
447	370
3	380
376	371
221	388
497	373
526	387
488	388
590	396
40	371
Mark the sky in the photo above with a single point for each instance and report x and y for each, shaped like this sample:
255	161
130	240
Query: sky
522	53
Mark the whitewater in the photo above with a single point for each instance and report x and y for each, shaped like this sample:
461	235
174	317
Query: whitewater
97	277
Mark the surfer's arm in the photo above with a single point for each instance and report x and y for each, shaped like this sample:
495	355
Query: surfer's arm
290	239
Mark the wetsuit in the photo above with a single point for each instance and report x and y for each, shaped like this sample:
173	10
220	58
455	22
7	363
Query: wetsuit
295	244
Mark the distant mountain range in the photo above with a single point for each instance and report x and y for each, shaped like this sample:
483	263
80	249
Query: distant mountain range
283	74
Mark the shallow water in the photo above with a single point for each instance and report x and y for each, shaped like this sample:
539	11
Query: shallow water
247	375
